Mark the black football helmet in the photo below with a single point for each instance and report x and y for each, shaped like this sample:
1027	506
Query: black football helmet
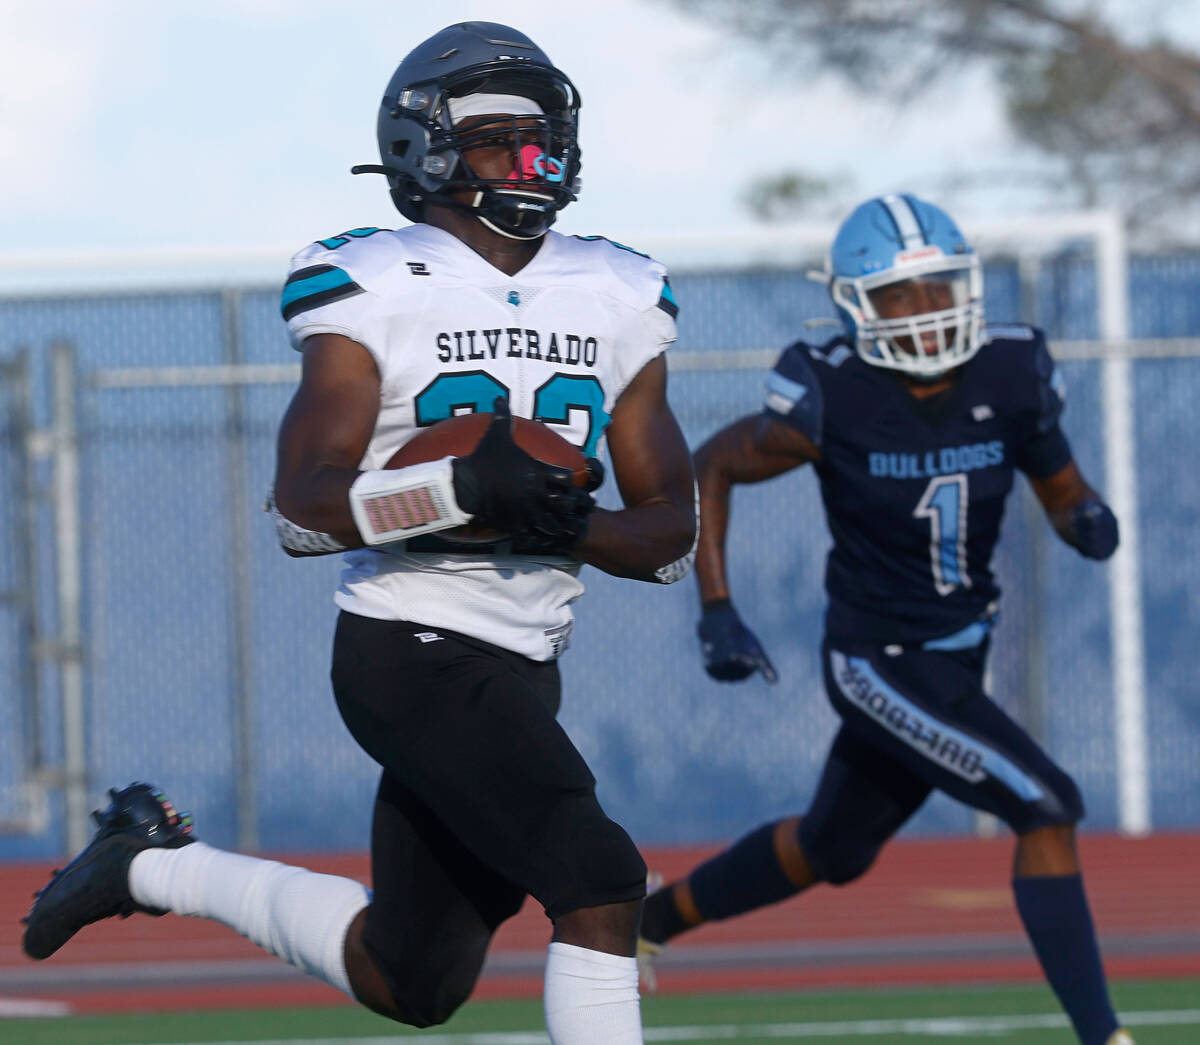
421	152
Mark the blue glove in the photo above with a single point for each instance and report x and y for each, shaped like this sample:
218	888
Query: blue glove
1093	530
731	651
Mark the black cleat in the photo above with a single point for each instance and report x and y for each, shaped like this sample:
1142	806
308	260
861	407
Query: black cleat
95	884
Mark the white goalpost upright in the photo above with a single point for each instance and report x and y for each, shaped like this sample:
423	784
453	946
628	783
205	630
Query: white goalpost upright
1125	572
1106	231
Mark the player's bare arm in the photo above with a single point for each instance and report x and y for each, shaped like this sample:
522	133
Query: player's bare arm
755	448
653	470
1061	493
1077	512
750	450
324	435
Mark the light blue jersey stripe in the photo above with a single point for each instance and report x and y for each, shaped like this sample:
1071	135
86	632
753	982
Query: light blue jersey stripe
966	638
786	387
931	738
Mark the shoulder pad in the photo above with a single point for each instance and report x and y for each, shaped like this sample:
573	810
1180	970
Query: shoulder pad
364	253
1029	357
1020	346
833	353
645	277
349	263
312	286
335	284
343	238
1052	389
612	243
795	361
793	392
354	244
1022	356
1012	332
361	252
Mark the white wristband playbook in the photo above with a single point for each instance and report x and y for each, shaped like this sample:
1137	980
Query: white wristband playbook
395	504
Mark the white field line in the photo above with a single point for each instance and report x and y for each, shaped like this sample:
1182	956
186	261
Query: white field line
20	1008
947	1026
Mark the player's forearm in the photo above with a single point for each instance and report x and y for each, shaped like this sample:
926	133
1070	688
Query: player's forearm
711	577
1078	513
716	488
730	456
639	541
1060	508
750	450
319	500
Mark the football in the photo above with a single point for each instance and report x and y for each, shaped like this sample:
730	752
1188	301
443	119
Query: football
457	436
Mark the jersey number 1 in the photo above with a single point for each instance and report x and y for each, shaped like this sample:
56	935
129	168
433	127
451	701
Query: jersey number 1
944	504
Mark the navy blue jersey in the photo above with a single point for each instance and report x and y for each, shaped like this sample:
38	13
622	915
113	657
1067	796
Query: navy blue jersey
914	490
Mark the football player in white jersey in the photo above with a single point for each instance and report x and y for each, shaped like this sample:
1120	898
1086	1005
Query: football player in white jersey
444	659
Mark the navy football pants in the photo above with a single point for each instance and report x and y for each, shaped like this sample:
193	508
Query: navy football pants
912	722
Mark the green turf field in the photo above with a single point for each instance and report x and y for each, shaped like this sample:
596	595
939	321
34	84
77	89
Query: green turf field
1159	1012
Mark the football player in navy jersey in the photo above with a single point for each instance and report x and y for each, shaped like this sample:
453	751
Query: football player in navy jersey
916	419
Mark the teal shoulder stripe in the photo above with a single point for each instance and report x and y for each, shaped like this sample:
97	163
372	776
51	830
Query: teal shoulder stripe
666	300
316	286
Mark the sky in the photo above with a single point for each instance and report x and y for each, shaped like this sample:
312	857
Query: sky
234	122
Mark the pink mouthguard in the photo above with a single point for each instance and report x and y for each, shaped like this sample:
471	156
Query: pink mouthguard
535	165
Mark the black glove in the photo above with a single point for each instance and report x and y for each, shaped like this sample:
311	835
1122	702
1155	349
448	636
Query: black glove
595	471
731	651
566	523
1093	530
499	485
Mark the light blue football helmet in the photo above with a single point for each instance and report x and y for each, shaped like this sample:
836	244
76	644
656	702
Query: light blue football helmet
892	239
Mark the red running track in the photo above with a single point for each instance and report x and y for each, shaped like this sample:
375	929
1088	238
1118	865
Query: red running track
930	911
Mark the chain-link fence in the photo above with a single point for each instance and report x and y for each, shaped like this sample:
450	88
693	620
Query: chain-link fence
201	660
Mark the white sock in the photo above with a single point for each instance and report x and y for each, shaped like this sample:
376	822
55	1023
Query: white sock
297	915
591	998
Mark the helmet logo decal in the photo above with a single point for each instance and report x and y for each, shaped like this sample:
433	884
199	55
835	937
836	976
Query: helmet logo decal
920	254
535	165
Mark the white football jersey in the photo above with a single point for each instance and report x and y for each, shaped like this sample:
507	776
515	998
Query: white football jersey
561	340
